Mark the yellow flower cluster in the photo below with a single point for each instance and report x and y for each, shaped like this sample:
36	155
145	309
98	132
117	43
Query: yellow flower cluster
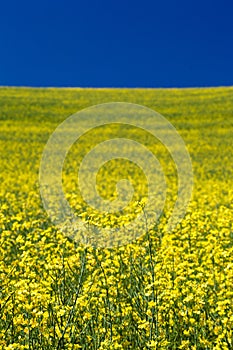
163	291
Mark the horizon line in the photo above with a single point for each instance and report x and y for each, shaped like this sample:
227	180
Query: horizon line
115	87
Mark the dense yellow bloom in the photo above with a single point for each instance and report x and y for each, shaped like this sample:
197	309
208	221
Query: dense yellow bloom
164	290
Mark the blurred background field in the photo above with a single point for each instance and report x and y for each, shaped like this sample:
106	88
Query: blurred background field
163	291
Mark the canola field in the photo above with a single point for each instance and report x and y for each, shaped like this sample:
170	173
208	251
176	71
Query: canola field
164	290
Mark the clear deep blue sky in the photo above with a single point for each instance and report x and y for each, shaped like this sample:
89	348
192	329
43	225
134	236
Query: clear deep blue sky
116	43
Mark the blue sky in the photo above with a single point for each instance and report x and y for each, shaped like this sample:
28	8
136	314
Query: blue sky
121	43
